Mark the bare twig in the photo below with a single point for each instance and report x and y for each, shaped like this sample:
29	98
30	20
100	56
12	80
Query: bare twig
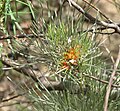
108	51
99	31
50	85
100	80
11	98
18	102
111	81
97	10
21	36
93	20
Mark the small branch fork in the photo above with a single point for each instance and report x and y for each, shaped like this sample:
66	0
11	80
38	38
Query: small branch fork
110	24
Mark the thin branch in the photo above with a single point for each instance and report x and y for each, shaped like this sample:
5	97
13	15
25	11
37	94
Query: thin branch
24	70
102	81
99	31
21	36
50	85
97	10
93	20
111	81
14	103
11	98
108	51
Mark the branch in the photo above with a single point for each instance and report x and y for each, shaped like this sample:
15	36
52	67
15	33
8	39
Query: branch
102	81
98	10
11	98
98	30
111	81
93	20
49	85
21	36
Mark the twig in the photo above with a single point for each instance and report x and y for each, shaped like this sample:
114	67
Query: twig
11	98
14	103
50	85
93	20
97	10
111	81
21	36
102	81
108	51
98	29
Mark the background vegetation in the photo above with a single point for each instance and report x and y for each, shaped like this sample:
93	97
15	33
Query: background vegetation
52	56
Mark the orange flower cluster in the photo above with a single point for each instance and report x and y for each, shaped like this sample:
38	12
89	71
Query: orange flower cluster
71	57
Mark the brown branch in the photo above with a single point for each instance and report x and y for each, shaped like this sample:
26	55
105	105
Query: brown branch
21	36
98	30
49	85
11	98
111	81
24	70
93	20
18	102
102	81
97	10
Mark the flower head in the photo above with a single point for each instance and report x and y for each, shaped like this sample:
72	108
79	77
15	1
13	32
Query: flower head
71	57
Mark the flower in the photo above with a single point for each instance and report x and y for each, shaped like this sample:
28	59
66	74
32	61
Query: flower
71	57
65	65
